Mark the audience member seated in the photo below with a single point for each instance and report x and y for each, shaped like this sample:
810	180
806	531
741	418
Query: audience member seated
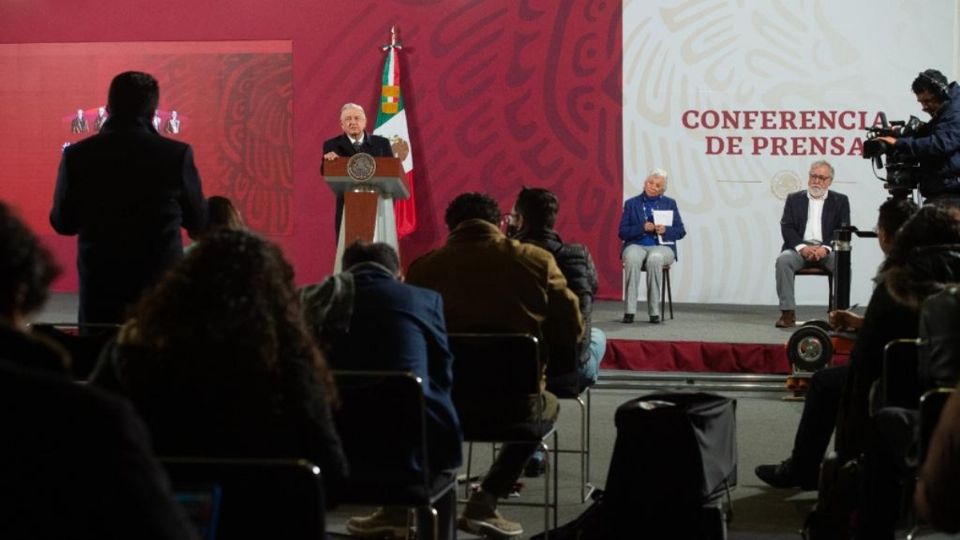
221	214
398	327
886	439
490	283
937	496
916	267
535	214
809	219
217	361
823	395
26	271
75	463
648	242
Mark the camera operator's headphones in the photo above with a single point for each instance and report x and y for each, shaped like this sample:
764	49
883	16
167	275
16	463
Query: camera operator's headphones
940	89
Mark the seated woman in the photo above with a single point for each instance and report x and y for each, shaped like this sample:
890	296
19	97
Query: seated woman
217	362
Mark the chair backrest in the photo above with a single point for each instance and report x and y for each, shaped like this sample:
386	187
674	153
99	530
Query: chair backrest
494	376
382	426
897	386
84	342
258	498
938	361
931	405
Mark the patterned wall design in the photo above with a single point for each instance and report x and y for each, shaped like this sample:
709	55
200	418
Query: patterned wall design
499	94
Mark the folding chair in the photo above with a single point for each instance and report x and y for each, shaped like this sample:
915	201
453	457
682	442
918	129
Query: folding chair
250	498
563	379
495	378
666	291
817	271
931	405
382	425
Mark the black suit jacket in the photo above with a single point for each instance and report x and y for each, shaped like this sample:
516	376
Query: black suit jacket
126	191
836	212
374	145
77	464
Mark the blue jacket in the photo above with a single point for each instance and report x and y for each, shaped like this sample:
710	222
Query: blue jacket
938	149
399	327
638	210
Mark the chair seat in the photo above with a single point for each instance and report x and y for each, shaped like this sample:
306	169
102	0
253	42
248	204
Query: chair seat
515	432
388	490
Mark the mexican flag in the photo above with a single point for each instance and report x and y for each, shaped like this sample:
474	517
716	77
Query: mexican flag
392	124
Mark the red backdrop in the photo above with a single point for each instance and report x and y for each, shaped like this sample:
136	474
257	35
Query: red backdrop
498	95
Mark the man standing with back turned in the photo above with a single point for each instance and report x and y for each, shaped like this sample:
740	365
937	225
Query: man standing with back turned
126	191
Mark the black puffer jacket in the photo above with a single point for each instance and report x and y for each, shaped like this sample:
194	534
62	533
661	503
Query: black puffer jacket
577	267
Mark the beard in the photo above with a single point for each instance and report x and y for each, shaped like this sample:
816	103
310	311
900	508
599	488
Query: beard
816	192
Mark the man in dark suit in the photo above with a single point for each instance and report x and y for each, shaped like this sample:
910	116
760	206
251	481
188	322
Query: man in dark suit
353	140
126	191
809	219
399	327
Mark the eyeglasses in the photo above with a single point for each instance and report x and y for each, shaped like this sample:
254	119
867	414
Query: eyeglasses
819	177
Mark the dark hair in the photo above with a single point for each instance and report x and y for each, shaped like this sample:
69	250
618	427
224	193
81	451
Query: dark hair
376	252
223	214
26	267
931	81
538	207
231	302
894	212
472	206
133	94
932	225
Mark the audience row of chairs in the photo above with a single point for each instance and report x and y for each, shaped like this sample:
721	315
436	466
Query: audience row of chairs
284	498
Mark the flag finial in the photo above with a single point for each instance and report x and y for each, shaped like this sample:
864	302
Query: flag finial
394	39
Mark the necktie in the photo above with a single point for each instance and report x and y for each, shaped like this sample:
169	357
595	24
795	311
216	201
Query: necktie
356	146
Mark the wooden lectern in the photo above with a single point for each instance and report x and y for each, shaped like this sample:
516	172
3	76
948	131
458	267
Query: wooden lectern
363	180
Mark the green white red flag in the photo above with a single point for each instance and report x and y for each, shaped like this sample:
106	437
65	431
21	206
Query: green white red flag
392	124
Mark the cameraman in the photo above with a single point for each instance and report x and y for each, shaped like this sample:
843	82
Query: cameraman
937	144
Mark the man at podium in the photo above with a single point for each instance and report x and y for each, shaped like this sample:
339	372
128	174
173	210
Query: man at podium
353	140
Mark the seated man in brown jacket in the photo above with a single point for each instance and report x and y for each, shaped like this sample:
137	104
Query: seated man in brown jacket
490	283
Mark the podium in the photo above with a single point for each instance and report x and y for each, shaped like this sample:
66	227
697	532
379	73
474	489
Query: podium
368	185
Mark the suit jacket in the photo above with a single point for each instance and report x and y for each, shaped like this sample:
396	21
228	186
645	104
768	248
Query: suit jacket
374	145
836	212
399	327
77	464
126	191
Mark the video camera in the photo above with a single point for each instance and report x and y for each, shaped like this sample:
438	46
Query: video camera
903	171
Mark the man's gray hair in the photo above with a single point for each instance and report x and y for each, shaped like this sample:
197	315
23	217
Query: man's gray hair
351	106
822	163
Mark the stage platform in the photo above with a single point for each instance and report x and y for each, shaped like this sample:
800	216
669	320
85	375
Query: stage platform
701	338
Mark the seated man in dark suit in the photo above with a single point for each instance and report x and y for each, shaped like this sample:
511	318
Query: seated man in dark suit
809	219
353	140
75	463
399	327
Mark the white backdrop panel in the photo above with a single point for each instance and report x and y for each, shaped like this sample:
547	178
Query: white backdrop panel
688	62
